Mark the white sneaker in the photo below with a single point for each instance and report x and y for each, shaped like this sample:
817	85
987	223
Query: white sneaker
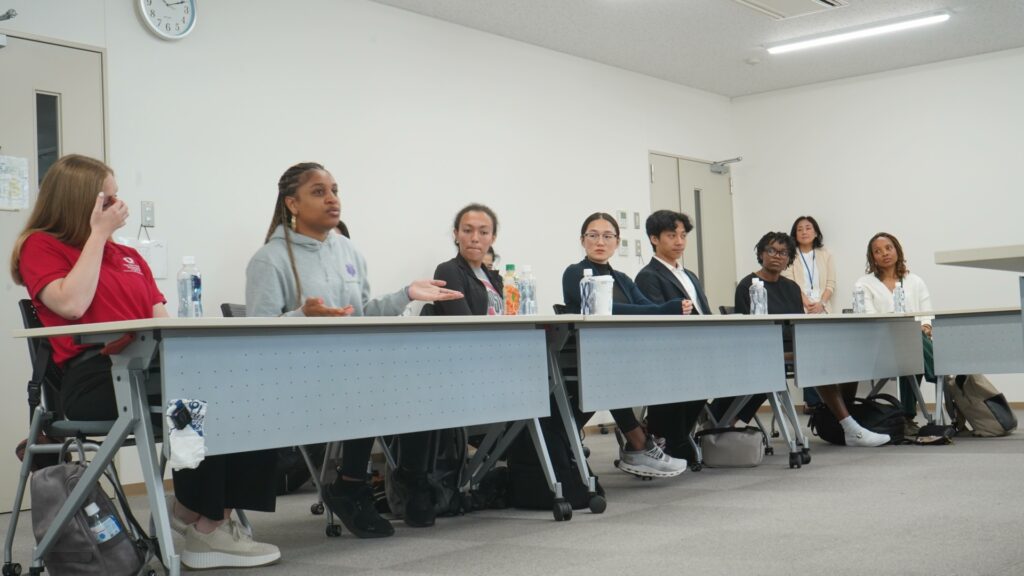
651	461
865	438
227	546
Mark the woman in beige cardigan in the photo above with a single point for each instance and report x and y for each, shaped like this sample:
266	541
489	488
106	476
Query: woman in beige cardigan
813	268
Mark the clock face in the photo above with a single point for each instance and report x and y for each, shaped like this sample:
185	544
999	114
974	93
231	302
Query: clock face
168	19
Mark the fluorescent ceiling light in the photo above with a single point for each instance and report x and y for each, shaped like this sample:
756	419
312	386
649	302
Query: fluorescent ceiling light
854	34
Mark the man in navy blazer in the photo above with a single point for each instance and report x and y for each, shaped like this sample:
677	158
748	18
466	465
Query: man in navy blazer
662	280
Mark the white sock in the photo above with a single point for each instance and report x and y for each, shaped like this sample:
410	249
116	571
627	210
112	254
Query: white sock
849	424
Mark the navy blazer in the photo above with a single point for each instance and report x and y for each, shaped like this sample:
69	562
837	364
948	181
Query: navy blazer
659	284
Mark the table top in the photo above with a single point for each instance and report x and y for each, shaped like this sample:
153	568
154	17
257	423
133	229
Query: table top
1011	311
497	322
1009	258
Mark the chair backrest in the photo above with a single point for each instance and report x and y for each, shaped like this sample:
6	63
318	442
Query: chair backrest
727	309
559	308
229	310
45	379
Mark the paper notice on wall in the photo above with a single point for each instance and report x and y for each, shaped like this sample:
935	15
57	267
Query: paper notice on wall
13	183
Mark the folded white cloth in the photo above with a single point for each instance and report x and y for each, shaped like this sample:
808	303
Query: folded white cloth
188	445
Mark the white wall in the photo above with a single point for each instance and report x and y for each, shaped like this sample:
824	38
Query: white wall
415	118
931	154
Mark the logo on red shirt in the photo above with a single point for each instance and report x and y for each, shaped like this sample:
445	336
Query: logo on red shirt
131	266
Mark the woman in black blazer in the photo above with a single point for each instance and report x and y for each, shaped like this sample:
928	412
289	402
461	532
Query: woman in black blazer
474	231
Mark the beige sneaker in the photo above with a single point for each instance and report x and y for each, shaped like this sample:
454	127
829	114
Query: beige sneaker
227	546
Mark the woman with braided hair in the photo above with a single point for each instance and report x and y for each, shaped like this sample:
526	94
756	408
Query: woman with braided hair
305	269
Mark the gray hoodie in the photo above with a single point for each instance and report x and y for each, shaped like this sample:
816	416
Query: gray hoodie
333	270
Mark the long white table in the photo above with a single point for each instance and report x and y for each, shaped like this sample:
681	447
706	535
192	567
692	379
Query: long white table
1008	258
272	382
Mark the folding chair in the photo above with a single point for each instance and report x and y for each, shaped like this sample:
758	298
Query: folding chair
48	421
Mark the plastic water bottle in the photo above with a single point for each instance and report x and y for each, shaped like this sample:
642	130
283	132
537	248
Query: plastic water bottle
190	289
104	528
758	297
512	295
899	299
587	292
858	300
527	292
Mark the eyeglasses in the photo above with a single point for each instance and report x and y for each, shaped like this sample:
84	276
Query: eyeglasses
774	252
594	236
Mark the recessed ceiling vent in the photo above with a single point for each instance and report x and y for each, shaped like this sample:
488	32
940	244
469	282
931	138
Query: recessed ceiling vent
782	9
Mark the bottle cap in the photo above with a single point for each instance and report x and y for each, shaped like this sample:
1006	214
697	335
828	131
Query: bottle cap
91	509
510	267
588	272
188	260
527	268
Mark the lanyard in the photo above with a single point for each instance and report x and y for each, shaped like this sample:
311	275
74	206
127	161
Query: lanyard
812	268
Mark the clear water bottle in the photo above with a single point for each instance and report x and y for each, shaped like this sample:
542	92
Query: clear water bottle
190	289
527	291
587	292
103	528
899	299
758	297
858	300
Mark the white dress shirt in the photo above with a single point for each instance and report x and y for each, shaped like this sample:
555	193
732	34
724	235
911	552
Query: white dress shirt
684	278
878	298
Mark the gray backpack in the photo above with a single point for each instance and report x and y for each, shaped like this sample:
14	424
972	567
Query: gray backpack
76	551
974	400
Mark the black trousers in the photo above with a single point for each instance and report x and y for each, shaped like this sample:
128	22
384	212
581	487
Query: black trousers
244	480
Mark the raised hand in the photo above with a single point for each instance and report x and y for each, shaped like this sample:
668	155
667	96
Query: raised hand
105	219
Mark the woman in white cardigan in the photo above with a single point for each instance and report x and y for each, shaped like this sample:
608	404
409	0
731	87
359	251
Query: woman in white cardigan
813	268
887	269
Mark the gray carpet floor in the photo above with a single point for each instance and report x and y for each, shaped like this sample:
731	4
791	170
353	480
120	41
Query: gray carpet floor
899	510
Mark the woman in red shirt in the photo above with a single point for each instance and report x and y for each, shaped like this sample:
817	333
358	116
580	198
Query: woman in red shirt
75	274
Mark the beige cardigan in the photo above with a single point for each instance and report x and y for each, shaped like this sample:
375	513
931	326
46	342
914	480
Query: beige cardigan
826	272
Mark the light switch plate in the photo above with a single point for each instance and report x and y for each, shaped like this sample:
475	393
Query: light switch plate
624	248
148	214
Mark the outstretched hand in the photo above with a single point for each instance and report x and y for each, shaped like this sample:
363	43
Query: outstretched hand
315	307
432	291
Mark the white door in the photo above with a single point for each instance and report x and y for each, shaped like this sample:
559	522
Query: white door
51	104
690	187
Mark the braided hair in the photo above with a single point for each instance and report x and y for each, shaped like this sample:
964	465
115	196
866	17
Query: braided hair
287	185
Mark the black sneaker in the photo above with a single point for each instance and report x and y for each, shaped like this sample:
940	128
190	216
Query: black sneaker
352	502
419	498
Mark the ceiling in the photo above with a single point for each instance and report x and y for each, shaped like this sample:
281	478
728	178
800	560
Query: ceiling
717	45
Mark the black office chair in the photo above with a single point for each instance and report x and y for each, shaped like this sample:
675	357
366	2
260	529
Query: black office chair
49	428
229	310
726	310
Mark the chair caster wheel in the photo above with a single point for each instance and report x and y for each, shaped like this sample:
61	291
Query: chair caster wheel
333	530
597	504
562	511
317	509
697	467
805	456
794	460
769	451
12	570
586	452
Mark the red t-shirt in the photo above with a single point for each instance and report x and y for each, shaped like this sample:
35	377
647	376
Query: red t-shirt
126	289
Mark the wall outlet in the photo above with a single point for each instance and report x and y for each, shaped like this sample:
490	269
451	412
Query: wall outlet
638	246
148	214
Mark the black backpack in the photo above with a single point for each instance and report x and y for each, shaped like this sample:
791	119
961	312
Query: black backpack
291	472
879	413
528	488
446	474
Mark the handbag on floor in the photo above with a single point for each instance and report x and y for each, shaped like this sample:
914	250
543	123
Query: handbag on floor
972	399
732	447
879	413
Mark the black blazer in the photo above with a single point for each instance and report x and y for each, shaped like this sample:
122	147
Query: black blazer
459	276
659	284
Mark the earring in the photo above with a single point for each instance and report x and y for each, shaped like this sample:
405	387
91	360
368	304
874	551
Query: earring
294	223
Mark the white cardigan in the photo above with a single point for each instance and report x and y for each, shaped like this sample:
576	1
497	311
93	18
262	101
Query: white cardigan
878	297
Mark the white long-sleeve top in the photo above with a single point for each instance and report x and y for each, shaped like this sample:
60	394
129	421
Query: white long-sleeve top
878	298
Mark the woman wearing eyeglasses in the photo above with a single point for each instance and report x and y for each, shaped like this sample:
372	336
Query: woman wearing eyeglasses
600	238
